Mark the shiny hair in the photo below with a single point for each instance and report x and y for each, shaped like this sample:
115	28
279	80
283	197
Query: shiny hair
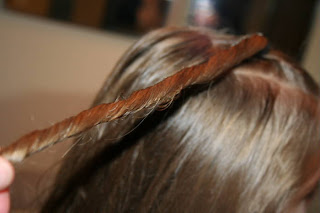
237	144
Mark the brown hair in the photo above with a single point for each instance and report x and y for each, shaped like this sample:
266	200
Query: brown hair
236	144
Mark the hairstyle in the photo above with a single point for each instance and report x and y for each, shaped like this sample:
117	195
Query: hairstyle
238	143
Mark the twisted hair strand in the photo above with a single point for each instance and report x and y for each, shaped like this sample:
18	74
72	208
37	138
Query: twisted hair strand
151	97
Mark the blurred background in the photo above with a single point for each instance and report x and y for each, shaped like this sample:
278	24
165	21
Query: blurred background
55	55
286	23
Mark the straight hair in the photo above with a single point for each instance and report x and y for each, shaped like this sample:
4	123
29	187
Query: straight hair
237	144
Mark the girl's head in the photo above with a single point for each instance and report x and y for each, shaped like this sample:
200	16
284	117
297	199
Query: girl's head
246	143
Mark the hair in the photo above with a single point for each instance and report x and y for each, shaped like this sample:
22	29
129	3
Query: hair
238	143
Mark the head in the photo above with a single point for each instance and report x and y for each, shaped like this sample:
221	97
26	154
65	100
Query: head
247	142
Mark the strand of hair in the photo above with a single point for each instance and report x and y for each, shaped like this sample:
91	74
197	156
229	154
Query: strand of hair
162	92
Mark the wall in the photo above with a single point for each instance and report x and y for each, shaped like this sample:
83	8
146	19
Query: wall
48	71
311	60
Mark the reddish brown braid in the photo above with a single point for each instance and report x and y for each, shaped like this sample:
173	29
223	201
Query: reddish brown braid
151	97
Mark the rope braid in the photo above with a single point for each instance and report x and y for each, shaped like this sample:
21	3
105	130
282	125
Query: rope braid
151	97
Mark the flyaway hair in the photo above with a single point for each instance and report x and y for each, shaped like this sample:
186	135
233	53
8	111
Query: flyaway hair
151	97
189	120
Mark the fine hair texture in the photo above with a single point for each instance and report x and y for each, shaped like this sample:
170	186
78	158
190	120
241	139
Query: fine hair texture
236	144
